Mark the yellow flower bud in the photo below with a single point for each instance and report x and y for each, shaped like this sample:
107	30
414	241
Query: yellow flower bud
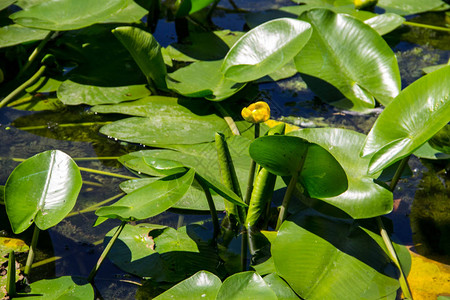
362	4
257	112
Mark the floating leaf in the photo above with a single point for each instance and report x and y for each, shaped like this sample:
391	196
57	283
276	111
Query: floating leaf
348	54
43	189
130	13
58	15
265	49
150	200
280	287
333	259
321	175
72	93
364	198
194	199
409	7
245	285
146	52
205	46
15	34
66	287
385	23
203	79
201	285
413	118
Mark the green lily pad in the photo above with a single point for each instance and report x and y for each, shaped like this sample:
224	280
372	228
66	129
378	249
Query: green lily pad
364	69
59	15
43	189
265	49
413	118
162	253
194	199
66	287
15	34
321	175
245	285
201	285
328	254
364	198
72	93
203	79
149	200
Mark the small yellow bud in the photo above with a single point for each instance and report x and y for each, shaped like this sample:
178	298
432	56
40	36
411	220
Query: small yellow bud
257	112
362	4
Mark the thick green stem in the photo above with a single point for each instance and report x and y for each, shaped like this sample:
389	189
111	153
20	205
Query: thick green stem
95	206
11	280
211	9
387	241
212	208
251	174
36	52
426	26
393	255
21	88
32	251
289	191
106	251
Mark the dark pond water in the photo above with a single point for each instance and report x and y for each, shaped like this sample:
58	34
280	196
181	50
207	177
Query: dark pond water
73	246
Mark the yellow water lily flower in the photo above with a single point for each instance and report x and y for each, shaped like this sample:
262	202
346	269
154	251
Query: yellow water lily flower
256	113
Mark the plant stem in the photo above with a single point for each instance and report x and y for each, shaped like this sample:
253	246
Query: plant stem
398	173
64	125
106	251
36	52
393	255
11	280
95	206
212	208
211	9
289	191
106	173
226	116
24	85
426	26
251	174
32	251
387	241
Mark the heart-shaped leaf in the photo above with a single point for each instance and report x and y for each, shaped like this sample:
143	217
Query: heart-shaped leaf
149	200
203	79
66	287
15	34
321	175
363	198
201	285
385	23
43	189
265	49
72	93
61	15
350	55
188	7
328	255
245	285
413	118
